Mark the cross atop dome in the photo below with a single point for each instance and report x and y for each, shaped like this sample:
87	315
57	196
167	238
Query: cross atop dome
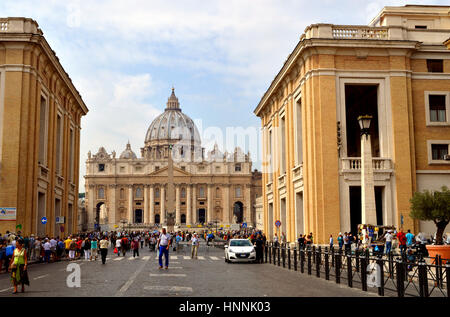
172	102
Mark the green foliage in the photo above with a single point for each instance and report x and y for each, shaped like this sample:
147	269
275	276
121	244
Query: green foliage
434	206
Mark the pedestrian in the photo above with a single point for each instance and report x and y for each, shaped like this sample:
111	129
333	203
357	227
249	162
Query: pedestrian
331	241
48	251
259	246
72	249
194	242
18	266
401	237
388	237
94	249
67	244
37	250
409	238
163	246
135	247
3	255
118	246
275	240
87	249
347	245
104	243
340	241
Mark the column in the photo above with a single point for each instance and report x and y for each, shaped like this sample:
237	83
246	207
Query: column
130	203
369	213
91	207
146	212
194	204
188	205
162	214
209	211
249	207
152	205
226	204
112	207
177	205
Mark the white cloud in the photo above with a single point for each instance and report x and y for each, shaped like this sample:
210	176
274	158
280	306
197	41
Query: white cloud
118	112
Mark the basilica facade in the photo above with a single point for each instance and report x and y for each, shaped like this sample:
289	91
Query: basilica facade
173	183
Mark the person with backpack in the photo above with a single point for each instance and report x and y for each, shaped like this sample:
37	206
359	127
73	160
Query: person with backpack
135	247
94	249
87	249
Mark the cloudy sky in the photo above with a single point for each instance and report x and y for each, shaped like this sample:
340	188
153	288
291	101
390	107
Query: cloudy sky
221	56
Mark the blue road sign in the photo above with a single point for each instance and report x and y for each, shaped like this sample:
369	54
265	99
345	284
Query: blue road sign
278	223
244	225
43	220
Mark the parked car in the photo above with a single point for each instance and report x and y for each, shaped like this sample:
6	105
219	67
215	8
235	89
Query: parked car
240	250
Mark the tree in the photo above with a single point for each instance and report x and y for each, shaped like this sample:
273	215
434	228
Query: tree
432	206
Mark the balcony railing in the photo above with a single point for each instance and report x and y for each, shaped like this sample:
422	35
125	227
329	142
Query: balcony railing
359	32
282	180
354	164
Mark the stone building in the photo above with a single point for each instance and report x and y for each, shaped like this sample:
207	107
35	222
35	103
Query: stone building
40	122
396	69
173	182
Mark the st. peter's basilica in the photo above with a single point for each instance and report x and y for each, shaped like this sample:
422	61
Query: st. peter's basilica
172	183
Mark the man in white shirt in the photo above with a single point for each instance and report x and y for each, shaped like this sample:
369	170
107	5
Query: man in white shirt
388	236
164	245
118	246
48	250
195	243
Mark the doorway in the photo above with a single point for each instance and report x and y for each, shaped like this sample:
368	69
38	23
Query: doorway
202	216
238	212
138	216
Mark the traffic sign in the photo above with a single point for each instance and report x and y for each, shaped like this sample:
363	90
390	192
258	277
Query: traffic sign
43	220
278	223
244	225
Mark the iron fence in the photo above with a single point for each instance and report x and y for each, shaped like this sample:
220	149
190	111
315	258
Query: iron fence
392	275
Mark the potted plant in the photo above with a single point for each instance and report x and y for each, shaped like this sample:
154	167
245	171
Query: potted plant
434	206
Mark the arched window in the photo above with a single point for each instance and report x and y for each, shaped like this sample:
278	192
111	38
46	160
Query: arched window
217	192
101	193
238	191
138	192
157	193
201	192
122	193
183	192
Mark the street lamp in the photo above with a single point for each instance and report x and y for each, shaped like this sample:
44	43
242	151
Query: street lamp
364	124
368	209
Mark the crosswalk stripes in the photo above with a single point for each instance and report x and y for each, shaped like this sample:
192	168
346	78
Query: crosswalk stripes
167	275
145	258
174	257
214	258
119	259
201	257
186	257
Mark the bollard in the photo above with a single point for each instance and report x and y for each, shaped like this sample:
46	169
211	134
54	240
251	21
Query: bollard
349	270
363	263
318	260
314	252
302	260
289	256
270	253
309	261
400	278
439	277
327	266
381	266
332	257
295	258
391	264
423	279
274	255
283	255
357	264
279	258
266	252
337	268
447	274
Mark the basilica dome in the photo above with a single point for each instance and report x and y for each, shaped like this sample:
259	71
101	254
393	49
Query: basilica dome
172	125
128	153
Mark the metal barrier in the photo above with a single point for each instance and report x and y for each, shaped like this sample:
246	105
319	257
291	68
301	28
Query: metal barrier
390	275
